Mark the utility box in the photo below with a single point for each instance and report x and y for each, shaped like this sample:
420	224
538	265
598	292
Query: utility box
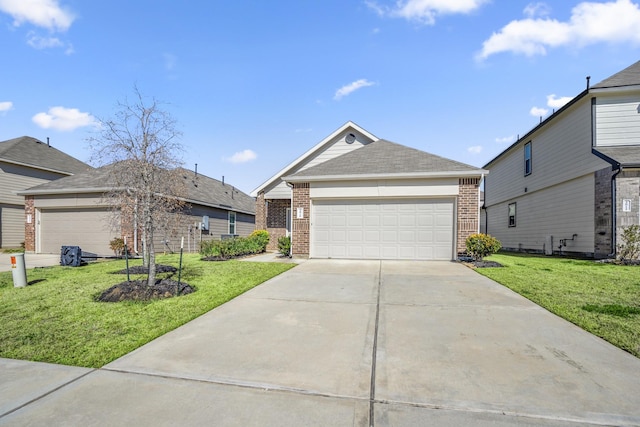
204	226
19	271
71	256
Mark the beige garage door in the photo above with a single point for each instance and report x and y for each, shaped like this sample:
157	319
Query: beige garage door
383	229
87	228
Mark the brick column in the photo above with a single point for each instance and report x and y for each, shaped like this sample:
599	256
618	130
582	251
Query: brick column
468	220
261	212
300	232
29	227
602	236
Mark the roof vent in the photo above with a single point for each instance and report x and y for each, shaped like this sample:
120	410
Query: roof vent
350	138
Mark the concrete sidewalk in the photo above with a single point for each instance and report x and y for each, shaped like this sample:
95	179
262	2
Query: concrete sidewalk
30	260
348	343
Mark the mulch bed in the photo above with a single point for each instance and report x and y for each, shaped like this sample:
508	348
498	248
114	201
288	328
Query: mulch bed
139	269
470	262
218	258
137	290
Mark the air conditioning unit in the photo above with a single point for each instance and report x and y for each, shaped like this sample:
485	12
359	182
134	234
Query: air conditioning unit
71	256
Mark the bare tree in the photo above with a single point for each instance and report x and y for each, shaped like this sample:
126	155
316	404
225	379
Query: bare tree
141	145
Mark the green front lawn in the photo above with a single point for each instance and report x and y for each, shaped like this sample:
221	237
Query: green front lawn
603	299
56	318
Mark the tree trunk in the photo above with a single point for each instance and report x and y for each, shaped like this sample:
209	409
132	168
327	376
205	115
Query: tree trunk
151	253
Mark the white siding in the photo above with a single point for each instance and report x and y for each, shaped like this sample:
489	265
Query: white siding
617	120
561	151
384	188
280	190
559	211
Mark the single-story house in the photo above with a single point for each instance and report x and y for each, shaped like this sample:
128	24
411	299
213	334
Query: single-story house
356	196
24	163
73	211
571	184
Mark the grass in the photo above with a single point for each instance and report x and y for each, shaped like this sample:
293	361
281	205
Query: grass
56	318
603	299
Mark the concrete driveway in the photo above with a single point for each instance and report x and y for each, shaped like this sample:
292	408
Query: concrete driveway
348	343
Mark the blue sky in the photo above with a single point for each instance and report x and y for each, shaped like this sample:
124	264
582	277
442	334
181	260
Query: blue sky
253	84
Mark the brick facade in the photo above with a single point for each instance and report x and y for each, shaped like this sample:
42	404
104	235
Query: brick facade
271	215
29	227
602	213
468	211
627	188
301	200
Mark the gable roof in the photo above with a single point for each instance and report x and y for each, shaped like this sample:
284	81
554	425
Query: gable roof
309	153
28	151
630	76
622	80
387	159
201	189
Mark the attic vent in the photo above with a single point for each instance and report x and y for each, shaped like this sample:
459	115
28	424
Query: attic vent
350	138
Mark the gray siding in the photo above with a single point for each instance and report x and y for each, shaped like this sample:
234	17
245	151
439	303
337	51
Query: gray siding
559	211
617	120
17	178
11	226
561	151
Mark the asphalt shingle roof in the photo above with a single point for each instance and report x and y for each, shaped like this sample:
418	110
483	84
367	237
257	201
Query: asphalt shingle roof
630	76
626	155
30	151
201	189
383	157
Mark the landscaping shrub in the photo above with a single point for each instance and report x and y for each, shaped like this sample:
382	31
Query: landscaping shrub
630	247
255	243
480	245
117	246
284	245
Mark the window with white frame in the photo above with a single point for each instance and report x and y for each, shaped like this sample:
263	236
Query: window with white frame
512	214
232	223
527	158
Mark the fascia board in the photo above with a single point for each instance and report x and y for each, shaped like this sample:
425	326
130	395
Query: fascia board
309	152
35	167
477	173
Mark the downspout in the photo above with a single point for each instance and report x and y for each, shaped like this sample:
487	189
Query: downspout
291	217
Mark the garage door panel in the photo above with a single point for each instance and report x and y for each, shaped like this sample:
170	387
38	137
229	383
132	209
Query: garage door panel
88	228
383	229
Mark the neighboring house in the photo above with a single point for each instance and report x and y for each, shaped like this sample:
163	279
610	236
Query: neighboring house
72	212
356	196
25	162
572	183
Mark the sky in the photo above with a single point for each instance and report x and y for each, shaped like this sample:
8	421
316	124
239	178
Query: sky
254	84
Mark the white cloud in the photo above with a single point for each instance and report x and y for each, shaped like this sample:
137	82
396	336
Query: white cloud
41	13
6	106
352	87
425	11
611	22
242	157
538	112
38	42
537	9
475	149
557	103
506	139
63	119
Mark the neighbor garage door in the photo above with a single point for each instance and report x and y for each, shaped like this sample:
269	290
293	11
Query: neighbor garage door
87	228
383	229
